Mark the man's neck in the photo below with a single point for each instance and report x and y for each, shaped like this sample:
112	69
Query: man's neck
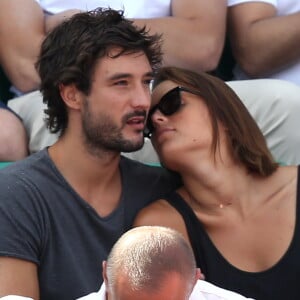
95	178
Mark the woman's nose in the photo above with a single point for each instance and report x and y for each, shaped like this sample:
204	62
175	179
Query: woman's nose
158	117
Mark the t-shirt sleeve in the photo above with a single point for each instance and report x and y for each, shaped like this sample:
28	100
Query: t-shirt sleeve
21	220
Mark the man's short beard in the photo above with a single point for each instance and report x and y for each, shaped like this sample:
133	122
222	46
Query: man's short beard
104	135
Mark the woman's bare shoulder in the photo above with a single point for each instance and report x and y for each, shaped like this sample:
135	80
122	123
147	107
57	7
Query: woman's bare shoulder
160	213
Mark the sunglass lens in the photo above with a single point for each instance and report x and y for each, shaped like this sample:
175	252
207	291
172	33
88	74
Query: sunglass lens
170	102
168	105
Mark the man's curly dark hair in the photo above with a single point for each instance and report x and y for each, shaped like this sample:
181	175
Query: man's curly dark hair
70	52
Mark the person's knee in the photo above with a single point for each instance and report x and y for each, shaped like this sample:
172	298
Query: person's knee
13	137
30	108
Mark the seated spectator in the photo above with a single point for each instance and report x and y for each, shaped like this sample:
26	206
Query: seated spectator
237	208
70	203
153	262
265	38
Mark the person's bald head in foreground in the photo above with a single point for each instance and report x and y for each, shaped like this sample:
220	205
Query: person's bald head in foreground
150	262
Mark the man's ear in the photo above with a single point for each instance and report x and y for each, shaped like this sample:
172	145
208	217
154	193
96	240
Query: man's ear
104	272
104	275
199	275
71	96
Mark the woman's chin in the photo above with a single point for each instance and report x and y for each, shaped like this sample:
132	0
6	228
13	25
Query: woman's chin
168	160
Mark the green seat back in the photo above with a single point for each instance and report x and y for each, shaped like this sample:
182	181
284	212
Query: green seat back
4	164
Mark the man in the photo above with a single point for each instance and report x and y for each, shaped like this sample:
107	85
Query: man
265	37
153	262
63	208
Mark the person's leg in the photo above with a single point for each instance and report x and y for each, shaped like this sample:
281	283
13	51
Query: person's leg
275	105
13	137
31	109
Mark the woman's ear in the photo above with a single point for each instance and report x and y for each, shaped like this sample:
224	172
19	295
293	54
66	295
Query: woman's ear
71	96
105	280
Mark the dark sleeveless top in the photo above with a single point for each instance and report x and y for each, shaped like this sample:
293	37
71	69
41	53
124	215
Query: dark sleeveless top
281	281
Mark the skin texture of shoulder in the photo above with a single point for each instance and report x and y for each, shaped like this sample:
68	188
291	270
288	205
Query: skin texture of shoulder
26	283
161	213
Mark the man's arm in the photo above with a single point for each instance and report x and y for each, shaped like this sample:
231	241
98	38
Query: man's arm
193	37
18	277
263	42
21	33
23	27
52	21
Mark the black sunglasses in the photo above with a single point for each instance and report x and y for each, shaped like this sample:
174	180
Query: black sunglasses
169	104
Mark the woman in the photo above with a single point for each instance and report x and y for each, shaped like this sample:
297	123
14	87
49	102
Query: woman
237	207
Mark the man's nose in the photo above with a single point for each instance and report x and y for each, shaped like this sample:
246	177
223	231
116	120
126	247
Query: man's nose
141	98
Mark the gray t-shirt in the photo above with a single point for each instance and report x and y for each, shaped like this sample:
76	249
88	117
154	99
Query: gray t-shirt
43	220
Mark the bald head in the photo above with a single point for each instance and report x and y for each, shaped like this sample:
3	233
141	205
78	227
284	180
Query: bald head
147	260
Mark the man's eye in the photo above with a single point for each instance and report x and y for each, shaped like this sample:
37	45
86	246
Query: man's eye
148	81
121	82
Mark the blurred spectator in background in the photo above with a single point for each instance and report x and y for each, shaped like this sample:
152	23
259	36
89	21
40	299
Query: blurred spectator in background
265	38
